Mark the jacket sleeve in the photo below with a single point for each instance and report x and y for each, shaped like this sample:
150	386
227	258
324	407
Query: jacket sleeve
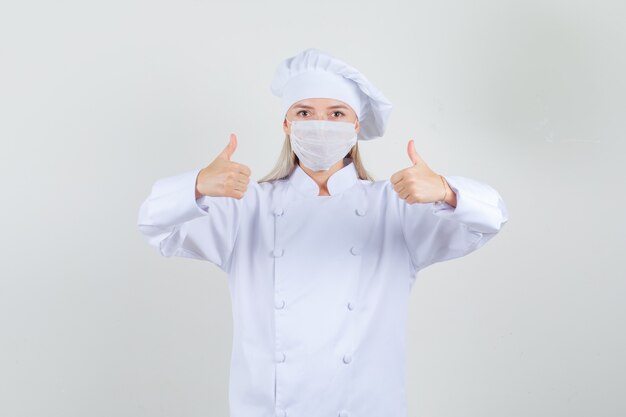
174	222
436	232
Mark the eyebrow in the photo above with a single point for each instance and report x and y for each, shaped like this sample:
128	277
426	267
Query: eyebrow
337	106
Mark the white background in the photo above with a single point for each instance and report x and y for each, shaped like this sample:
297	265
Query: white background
100	99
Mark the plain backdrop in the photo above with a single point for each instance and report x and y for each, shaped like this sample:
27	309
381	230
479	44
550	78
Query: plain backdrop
100	99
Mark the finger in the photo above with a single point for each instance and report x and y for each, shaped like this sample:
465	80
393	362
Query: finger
238	168
240	188
398	186
235	193
396	177
242	182
244	179
235	189
237	182
413	155
230	148
243	169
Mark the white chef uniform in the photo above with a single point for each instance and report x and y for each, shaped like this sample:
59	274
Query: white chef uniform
319	284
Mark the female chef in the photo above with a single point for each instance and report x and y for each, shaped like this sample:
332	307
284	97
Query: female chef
320	258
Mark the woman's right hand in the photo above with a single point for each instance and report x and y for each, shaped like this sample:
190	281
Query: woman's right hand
223	177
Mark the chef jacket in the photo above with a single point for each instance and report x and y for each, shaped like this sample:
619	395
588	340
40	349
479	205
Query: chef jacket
319	284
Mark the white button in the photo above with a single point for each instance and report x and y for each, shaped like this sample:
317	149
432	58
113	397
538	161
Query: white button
347	358
344	414
350	305
360	212
280	357
278	252
281	412
278	211
279	304
354	250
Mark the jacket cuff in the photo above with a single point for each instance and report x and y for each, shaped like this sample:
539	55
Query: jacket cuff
478	205
174	199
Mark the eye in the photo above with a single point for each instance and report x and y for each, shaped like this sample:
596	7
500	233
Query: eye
301	111
341	113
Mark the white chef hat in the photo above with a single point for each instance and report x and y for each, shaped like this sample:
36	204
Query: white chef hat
315	74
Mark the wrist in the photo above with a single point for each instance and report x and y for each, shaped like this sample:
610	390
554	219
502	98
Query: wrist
198	194
450	197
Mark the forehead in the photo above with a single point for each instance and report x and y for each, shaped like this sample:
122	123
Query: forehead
320	103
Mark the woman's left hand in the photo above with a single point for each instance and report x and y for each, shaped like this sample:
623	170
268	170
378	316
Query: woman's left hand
419	183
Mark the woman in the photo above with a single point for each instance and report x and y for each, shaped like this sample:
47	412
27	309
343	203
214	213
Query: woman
320	258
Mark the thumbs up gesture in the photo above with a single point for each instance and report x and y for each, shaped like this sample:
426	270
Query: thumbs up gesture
223	177
420	184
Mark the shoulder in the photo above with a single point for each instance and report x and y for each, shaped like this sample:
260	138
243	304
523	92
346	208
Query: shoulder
380	193
265	190
269	186
381	187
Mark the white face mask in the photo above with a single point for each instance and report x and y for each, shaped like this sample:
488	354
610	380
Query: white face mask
319	144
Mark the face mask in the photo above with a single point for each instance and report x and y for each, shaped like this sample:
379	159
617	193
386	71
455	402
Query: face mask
319	144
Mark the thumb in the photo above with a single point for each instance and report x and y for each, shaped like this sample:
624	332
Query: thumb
413	155
230	148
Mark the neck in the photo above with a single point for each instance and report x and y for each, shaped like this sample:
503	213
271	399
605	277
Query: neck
321	177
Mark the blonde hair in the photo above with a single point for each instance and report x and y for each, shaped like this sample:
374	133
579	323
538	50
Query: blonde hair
288	160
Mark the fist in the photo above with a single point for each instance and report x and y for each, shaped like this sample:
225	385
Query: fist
418	183
223	177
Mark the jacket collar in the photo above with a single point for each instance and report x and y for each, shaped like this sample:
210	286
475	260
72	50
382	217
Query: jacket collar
338	182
